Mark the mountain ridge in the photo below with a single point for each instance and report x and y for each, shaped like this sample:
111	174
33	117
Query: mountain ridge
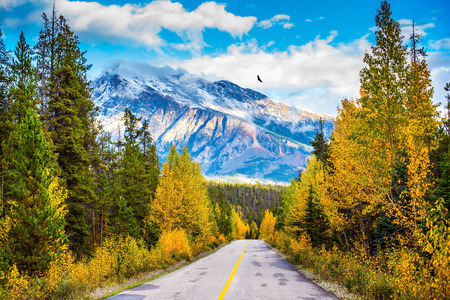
228	129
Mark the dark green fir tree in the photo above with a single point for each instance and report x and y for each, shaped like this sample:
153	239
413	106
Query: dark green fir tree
321	145
36	236
23	90
70	116
139	167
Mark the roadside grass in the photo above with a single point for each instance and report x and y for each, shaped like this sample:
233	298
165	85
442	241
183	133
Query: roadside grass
119	287
120	263
346	275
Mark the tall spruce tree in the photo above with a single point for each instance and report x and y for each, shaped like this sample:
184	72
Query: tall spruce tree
383	84
20	78
314	222
139	167
23	91
36	218
320	145
46	54
70	115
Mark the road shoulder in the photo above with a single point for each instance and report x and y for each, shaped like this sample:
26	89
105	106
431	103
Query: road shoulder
111	290
332	288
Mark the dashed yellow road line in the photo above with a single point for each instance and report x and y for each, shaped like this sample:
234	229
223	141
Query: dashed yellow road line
232	275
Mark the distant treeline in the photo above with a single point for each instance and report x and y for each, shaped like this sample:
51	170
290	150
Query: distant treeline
250	199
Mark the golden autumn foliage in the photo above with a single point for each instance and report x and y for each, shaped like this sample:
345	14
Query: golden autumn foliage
175	244
16	284
391	234
254	231
181	199
267	227
239	229
311	183
353	196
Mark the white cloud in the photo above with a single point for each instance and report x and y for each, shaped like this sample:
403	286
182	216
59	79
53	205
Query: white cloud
144	23
265	24
15	21
308	76
443	44
406	27
308	20
10	4
282	20
439	64
280	17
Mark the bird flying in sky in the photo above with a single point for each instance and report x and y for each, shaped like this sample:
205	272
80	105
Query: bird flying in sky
259	79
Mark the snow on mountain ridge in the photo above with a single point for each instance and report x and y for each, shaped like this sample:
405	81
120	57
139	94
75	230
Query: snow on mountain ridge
222	96
228	129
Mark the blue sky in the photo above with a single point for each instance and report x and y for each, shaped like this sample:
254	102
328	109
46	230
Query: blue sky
308	53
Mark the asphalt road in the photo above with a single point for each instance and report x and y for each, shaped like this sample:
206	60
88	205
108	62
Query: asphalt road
261	274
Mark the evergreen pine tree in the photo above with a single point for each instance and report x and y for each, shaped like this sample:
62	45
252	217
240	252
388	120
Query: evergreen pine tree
139	170
383	83
23	91
46	55
124	222
36	235
320	145
70	115
314	222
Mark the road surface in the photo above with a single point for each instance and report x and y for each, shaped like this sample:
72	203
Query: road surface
244	269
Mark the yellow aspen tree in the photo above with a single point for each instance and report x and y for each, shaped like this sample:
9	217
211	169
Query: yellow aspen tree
349	200
267	227
422	116
238	227
181	199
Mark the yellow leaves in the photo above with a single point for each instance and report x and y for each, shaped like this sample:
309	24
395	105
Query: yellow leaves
181	199
267	227
57	195
239	228
58	272
16	284
296	246
175	243
121	257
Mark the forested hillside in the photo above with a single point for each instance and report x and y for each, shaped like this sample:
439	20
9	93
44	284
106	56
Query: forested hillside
77	209
371	210
250	200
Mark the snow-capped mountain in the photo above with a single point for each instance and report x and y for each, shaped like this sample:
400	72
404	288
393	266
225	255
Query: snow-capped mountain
229	130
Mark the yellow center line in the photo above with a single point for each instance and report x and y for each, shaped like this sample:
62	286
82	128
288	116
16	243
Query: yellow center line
232	275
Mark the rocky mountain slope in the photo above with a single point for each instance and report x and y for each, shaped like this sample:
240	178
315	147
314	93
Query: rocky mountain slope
231	131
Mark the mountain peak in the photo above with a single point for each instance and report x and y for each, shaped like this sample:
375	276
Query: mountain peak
228	129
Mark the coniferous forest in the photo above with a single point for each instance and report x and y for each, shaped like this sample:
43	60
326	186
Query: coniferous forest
80	210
